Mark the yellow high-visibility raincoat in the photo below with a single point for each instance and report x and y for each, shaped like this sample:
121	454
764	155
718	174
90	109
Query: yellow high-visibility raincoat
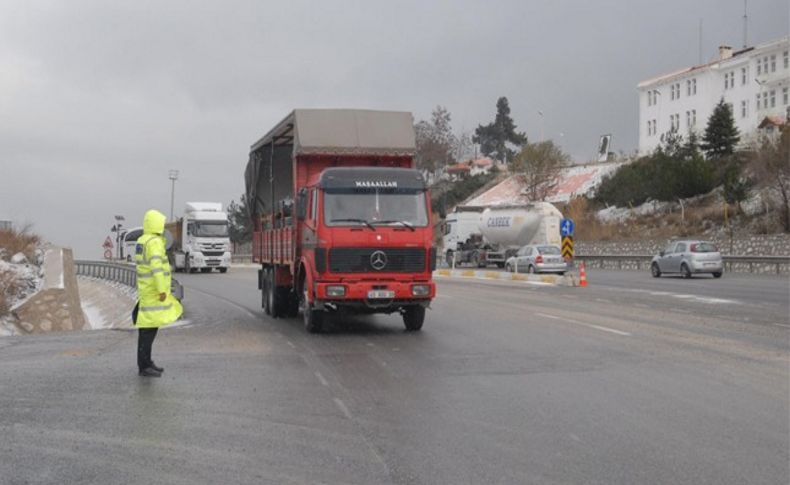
153	275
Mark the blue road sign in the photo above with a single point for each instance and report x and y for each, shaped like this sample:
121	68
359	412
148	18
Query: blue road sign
566	227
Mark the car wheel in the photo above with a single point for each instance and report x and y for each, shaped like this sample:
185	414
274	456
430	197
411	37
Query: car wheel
531	269
655	270
717	274
413	317
685	271
223	270
509	268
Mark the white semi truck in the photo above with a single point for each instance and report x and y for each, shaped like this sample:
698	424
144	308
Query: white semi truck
482	236
201	240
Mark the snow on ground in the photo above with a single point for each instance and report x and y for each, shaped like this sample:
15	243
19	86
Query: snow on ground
22	280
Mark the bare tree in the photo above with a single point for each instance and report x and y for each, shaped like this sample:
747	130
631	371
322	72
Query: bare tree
771	167
435	140
540	164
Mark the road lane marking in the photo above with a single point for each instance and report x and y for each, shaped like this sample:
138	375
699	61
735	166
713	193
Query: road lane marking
340	404
782	325
321	379
291	344
589	325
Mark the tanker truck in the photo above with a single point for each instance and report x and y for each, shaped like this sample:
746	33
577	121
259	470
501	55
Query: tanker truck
483	236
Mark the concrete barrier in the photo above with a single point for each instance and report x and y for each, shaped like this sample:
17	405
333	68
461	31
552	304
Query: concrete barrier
57	306
567	279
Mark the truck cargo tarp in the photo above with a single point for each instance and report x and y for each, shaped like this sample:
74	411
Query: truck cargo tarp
325	132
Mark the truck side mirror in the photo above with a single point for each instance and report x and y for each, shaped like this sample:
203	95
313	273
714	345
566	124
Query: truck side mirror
301	205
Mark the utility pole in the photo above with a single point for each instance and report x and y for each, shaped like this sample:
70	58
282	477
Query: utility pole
745	25
173	176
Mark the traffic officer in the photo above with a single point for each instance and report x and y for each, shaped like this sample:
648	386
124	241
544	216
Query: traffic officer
156	306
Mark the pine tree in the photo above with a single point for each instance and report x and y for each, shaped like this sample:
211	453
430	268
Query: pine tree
721	135
494	137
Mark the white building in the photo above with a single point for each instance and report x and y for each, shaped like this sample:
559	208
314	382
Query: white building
754	81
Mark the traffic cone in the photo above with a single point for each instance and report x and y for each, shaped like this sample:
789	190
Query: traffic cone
582	275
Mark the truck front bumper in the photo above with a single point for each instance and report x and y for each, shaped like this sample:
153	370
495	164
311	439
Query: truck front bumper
375	295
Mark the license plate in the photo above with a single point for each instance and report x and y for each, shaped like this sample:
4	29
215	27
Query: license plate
380	294
711	264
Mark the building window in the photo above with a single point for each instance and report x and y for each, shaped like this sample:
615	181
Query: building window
744	75
785	96
757	102
693	117
759	67
773	98
744	108
688	119
765	100
773	63
694	86
786	56
688	87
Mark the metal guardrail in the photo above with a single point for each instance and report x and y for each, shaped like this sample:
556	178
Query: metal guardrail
241	258
747	264
119	272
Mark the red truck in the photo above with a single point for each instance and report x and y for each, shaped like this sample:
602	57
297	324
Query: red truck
341	219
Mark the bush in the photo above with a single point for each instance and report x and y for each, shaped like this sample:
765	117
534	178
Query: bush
22	241
659	176
447	195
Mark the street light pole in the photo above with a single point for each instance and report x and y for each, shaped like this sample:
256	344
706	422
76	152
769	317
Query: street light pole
173	176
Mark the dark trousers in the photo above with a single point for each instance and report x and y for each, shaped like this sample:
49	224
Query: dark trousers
145	341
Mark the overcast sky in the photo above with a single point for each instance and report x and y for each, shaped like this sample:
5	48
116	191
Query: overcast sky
98	100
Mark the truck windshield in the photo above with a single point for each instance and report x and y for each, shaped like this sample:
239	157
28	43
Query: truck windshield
211	229
406	209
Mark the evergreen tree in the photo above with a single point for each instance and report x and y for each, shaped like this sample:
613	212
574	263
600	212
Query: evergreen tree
721	135
494	137
240	224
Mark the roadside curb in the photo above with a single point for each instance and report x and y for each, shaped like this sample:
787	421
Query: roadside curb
471	274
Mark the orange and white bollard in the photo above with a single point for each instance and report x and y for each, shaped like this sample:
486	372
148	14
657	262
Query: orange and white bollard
582	275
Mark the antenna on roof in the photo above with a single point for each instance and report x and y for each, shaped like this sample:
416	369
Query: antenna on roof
745	24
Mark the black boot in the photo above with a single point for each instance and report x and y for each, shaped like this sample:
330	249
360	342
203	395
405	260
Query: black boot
150	372
156	367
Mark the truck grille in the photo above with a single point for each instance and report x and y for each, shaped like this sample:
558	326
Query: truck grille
361	260
213	254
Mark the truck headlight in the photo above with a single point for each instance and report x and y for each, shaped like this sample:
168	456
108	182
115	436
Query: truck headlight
335	291
421	290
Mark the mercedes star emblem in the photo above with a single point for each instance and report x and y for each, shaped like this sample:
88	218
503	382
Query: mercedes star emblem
378	260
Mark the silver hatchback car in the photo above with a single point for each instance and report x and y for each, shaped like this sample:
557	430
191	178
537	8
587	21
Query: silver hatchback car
687	258
537	259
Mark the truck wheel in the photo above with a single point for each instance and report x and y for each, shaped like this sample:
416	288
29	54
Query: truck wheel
275	296
448	258
292	304
313	319
223	270
205	270
266	303
413	317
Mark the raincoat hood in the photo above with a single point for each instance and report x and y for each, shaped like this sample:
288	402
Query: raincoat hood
154	222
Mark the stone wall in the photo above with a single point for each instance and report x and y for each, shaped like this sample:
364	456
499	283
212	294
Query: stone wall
57	306
757	245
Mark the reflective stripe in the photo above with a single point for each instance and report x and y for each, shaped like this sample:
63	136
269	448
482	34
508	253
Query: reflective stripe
151	273
156	308
155	257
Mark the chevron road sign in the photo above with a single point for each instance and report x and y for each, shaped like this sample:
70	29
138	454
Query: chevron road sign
567	248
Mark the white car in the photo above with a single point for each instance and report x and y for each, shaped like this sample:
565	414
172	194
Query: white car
687	258
541	258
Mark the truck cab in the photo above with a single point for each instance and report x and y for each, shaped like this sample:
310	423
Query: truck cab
202	241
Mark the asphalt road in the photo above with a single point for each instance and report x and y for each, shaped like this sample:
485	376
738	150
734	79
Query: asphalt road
631	380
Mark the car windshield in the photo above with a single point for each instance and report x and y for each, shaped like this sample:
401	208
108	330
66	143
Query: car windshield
703	248
211	229
375	207
549	250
